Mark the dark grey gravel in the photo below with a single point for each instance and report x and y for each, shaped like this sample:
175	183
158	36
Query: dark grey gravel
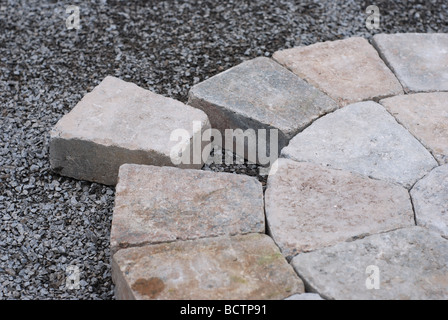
48	222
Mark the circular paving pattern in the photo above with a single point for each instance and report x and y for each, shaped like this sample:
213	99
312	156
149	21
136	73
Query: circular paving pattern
361	183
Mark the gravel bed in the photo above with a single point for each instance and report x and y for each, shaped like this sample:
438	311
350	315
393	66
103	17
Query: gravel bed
48	222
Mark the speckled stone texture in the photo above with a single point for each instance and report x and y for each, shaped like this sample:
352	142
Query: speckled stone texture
366	139
155	205
118	123
412	262
425	115
305	296
347	70
420	61
260	94
309	206
248	267
430	198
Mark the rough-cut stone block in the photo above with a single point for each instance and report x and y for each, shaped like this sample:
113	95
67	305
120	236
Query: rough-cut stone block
260	94
309	206
155	205
420	61
118	123
430	198
347	70
425	115
412	265
366	139
305	296
248	267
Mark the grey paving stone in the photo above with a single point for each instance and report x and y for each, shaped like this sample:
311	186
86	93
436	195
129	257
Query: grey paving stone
347	70
260	94
366	139
248	267
425	115
155	205
420	61
430	198
119	123
309	206
412	264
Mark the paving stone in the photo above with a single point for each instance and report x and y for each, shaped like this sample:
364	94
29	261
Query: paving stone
309	206
305	296
155	205
260	94
119	123
430	198
366	139
412	265
425	115
347	70
248	267
420	61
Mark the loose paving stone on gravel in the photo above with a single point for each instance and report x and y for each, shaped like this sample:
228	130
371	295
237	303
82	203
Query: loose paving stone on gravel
425	115
155	205
260	94
430	198
412	262
347	70
118	123
366	139
248	267
309	206
420	61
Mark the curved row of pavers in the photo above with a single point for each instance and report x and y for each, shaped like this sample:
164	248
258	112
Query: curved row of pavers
181	234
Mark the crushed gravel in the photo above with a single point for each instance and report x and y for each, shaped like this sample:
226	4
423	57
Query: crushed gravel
48	222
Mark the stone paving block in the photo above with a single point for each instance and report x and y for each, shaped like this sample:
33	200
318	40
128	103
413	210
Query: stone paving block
425	115
347	70
430	198
118	123
305	296
155	205
420	61
248	267
260	94
366	139
309	206
412	265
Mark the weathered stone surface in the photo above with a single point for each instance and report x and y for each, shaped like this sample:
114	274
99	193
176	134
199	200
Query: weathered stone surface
309	206
119	123
154	205
347	70
246	267
305	296
412	262
425	115
366	139
260	94
420	61
430	198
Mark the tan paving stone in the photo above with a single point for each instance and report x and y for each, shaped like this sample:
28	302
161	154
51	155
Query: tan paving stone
248	267
347	70
309	206
154	205
425	115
